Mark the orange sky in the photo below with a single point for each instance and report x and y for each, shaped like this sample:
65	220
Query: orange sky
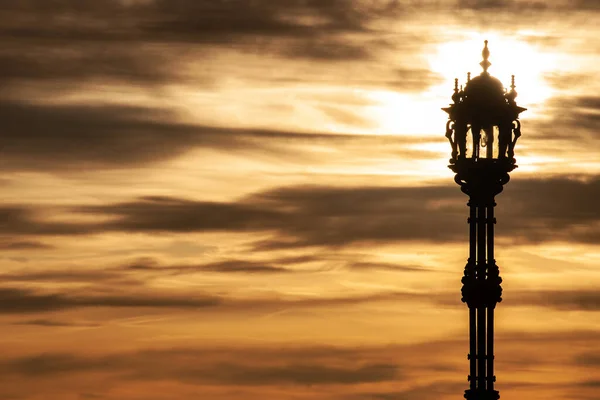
249	199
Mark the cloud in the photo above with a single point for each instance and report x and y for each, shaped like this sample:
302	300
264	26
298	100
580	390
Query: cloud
90	137
338	216
185	215
571	121
225	266
427	391
22	220
568	300
50	323
75	42
55	364
344	369
591	360
18	300
241	266
560	300
143	42
304	374
554	208
331	50
81	275
61	137
591	383
526	5
529	211
64	135
527	338
255	371
587	113
581	112
72	62
387	266
21	301
201	366
344	215
218	20
147	42
513	5
24	245
105	289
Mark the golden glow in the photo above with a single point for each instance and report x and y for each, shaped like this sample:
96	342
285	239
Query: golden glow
508	55
410	114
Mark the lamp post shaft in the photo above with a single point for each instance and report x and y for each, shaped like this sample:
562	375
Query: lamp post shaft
481	314
490	322
469	275
482	277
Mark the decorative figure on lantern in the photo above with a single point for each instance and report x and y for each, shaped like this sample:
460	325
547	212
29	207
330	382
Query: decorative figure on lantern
504	139
457	129
460	132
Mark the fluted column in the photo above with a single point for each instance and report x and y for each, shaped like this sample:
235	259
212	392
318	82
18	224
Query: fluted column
481	283
481	308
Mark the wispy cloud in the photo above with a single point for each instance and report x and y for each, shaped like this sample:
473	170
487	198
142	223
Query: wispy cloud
24	245
331	216
51	323
17	301
84	138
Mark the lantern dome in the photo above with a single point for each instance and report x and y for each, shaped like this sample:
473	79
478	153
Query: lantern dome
483	106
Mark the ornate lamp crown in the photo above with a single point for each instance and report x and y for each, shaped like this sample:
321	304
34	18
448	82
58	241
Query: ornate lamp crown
483	105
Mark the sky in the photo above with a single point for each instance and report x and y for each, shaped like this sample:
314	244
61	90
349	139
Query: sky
250	199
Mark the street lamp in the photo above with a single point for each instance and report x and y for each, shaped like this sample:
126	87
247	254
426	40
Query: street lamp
482	161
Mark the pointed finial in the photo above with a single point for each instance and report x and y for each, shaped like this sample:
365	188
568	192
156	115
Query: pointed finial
456	95
512	95
486	54
468	77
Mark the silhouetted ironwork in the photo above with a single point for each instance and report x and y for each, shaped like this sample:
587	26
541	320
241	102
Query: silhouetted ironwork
483	105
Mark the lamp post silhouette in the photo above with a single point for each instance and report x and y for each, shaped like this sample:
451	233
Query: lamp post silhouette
482	106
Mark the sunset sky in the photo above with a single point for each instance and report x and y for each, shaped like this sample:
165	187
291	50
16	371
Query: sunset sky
250	199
